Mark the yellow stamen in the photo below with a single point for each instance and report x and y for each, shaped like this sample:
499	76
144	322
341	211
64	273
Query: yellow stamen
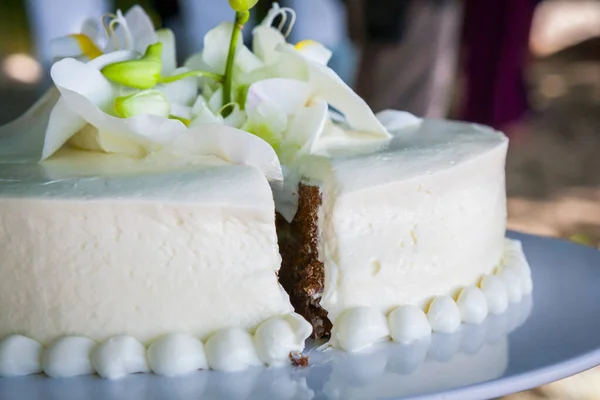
305	43
87	46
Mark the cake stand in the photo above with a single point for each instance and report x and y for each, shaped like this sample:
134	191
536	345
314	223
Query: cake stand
548	336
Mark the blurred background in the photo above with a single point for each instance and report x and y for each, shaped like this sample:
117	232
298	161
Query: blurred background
528	67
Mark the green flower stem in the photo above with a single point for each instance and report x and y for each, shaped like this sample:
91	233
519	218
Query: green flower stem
241	17
206	74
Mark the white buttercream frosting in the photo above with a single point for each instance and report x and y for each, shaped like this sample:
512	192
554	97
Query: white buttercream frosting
20	355
359	328
69	356
231	350
444	315
511	278
276	338
495	294
118	357
408	323
421	217
170	355
176	354
472	305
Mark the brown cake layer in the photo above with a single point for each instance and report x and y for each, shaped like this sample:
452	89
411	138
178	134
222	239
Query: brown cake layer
302	274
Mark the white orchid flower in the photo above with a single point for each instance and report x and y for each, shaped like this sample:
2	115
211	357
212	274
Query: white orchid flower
133	31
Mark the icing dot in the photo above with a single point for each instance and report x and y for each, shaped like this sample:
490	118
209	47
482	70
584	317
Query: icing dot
408	323
472	305
118	357
495	294
176	354
444	315
358	328
275	340
511	278
69	356
231	350
20	356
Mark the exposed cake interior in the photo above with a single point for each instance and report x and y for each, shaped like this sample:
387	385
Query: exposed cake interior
302	274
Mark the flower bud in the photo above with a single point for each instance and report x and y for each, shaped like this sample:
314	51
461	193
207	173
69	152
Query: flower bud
139	74
148	102
242	5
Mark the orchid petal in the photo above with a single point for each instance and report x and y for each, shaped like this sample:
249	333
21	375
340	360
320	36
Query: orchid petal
246	61
87	93
147	102
285	67
215	102
394	120
196	63
113	57
203	115
182	112
91	28
265	42
236	118
183	91
289	95
328	85
216	45
140	27
24	136
307	125
62	125
84	79
169	57
268	122
314	51
81	78
229	144
75	45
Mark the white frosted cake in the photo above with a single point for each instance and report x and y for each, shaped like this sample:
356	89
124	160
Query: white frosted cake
144	210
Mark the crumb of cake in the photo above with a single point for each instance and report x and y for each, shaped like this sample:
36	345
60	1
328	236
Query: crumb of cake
298	359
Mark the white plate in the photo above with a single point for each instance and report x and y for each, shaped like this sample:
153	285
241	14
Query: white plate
559	338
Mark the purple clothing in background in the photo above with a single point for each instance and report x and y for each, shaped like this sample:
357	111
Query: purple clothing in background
496	39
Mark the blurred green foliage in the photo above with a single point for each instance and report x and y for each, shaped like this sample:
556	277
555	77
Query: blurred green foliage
14	27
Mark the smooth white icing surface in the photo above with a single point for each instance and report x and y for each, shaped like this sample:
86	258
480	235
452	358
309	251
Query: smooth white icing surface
20	355
231	350
119	357
360	327
68	356
176	354
140	253
408	323
422	217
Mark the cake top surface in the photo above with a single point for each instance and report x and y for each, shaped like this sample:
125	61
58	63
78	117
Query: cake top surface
420	150
74	174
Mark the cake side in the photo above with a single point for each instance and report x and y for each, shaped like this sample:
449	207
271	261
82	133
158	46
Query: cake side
302	274
408	241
